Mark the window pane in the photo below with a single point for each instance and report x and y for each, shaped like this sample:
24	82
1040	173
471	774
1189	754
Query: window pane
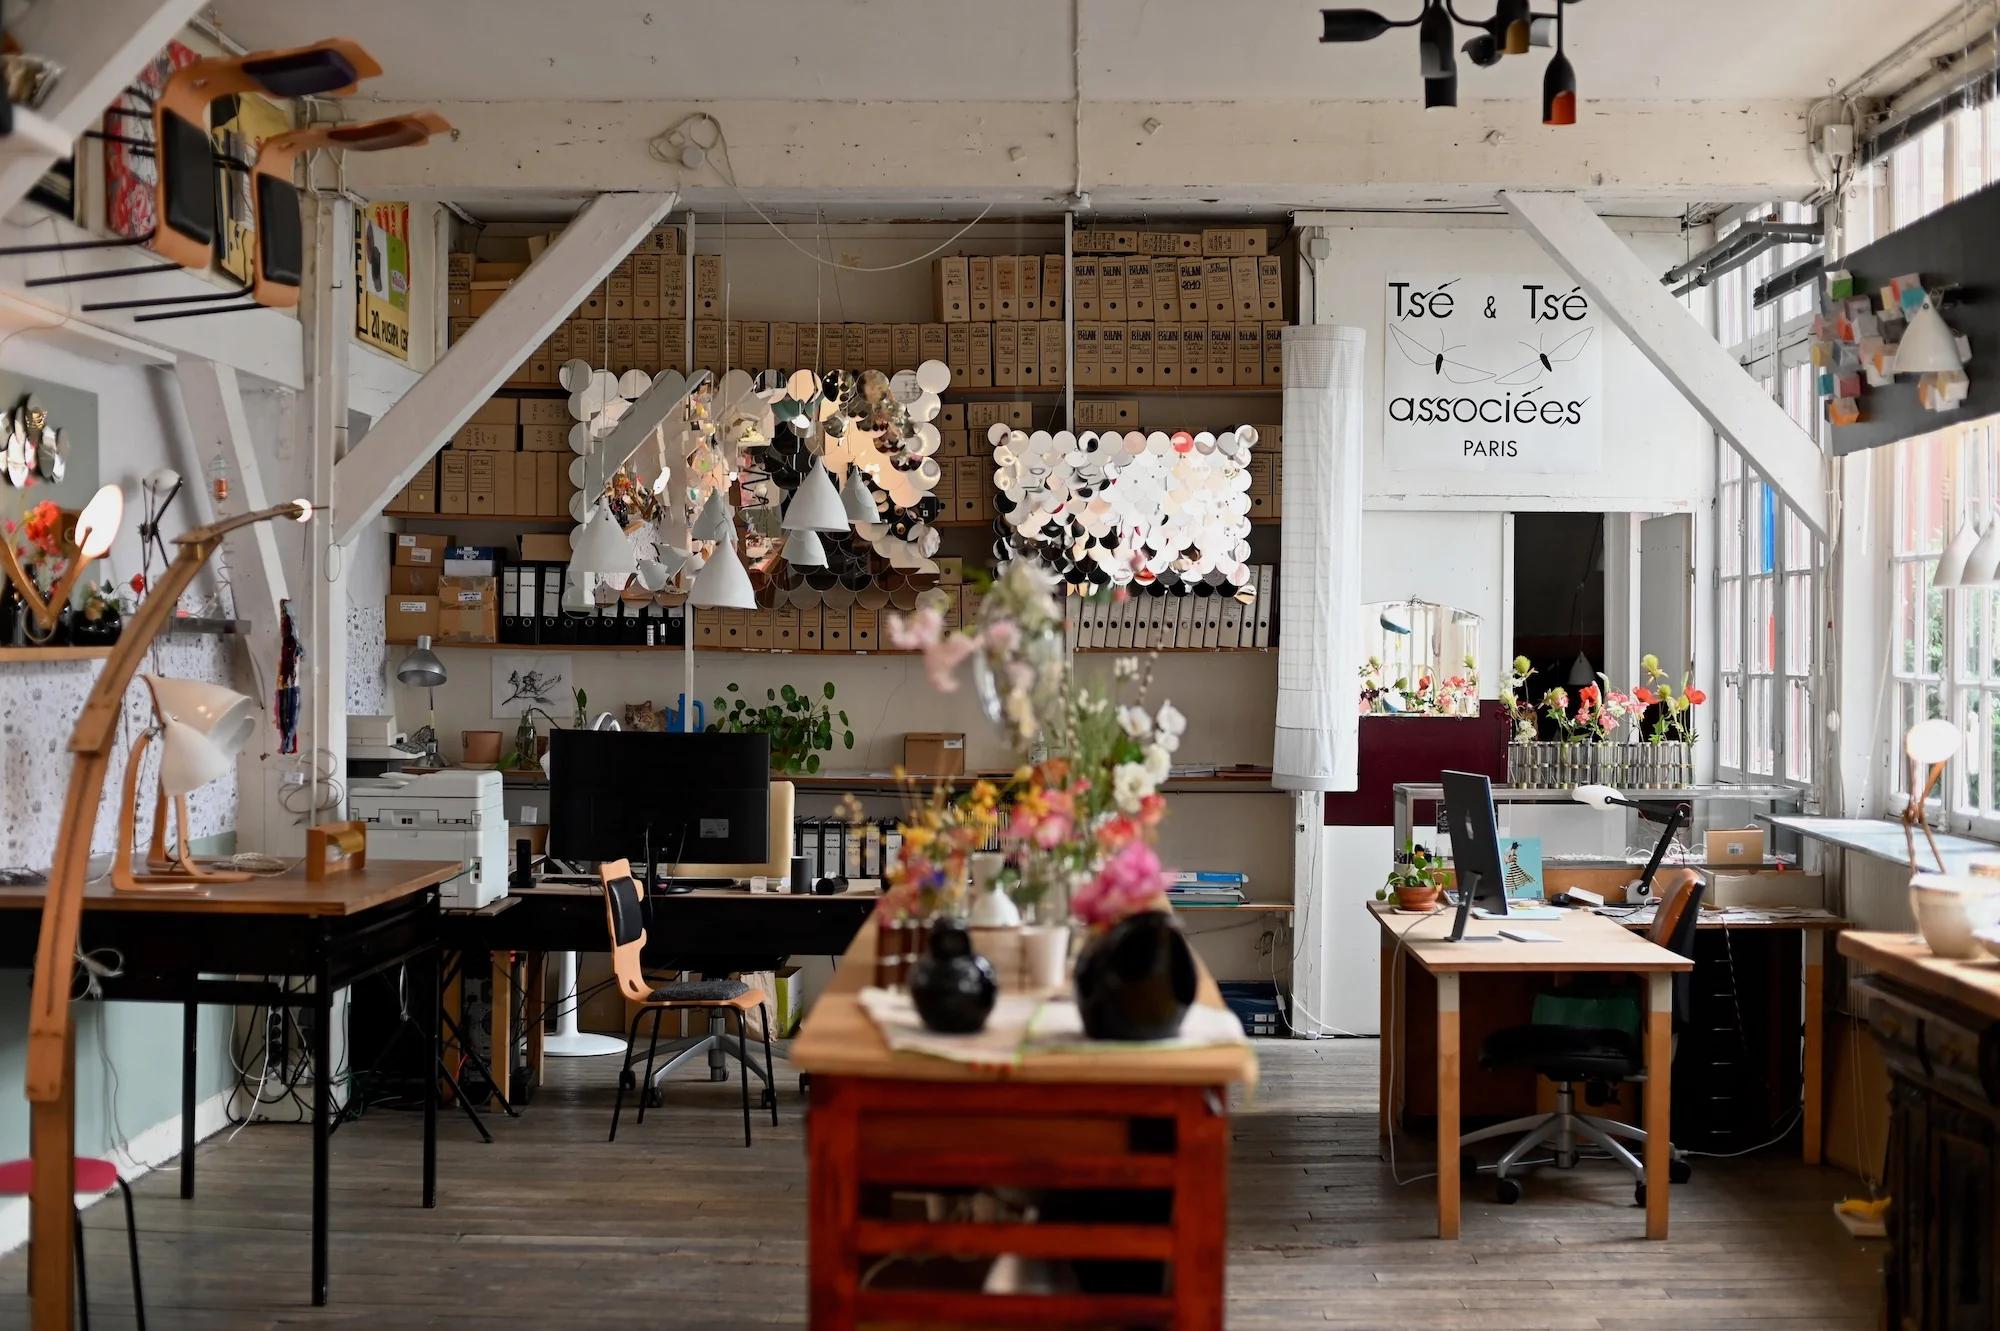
1798	731
1968	795
1763	628
1761	760
1933	619
1969	151
1729	527
1972	622
1732	464
1906	619
1729	724
1730	638
1798	624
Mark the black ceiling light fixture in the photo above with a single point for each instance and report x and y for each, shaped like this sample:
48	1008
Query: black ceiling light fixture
1512	30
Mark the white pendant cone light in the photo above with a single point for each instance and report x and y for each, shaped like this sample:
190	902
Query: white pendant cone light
1982	566
603	549
1580	671
653	575
816	504
856	500
723	583
715	522
1928	346
804	550
189	760
225	717
1951	564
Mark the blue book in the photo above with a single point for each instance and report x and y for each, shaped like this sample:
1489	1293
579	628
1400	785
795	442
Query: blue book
1521	867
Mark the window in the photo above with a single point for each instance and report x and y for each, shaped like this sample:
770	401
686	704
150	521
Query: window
1945	660
1768	563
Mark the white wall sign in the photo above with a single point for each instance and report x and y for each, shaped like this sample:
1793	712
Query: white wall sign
1491	373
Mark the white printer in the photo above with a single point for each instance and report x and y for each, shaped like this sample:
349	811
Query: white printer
451	815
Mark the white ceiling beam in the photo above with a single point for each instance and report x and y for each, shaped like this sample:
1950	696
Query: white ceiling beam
1292	154
101	46
413	430
1629	294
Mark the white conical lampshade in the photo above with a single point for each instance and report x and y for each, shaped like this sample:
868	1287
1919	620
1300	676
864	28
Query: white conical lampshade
97	525
804	550
1928	346
715	522
816	504
1982	566
603	549
189	760
855	499
723	583
1951	564
225	717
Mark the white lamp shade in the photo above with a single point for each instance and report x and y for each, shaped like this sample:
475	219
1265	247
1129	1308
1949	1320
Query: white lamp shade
189	759
1932	741
723	583
1982	566
653	575
224	717
604	550
97	525
856	500
1952	563
816	504
1928	346
1594	795
804	550
715	522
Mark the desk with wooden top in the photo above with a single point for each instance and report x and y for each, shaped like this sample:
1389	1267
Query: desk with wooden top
1586	943
1125	1125
177	948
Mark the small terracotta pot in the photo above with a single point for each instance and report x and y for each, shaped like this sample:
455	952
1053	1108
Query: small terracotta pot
482	747
1417	898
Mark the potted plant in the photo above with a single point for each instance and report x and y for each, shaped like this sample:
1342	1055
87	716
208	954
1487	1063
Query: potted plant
1416	880
800	725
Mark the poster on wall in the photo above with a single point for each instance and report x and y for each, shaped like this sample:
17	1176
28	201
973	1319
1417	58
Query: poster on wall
532	679
382	277
129	173
1492	373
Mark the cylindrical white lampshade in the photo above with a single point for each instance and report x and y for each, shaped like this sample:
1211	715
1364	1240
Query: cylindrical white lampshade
97	525
723	583
715	521
1928	346
1982	566
604	549
189	760
856	500
816	504
1951	564
225	717
804	550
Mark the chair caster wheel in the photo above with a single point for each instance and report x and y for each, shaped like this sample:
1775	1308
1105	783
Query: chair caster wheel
1680	1171
767	1099
626	1081
1638	1194
1506	1192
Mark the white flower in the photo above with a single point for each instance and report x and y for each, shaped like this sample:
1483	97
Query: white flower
1125	667
1130	784
1167	742
1158	763
1135	721
1171	721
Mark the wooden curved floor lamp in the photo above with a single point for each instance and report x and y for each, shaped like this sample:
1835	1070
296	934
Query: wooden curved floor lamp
51	1080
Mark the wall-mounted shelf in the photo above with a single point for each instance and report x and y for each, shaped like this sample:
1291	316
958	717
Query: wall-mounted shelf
968	393
710	649
43	655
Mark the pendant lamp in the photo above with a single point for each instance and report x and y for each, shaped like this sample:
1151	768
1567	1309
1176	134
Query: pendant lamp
1982	566
1513	27
856	499
1434	42
723	583
603	549
816	505
1952	564
1928	346
1581	672
803	549
715	522
1559	83
1441	93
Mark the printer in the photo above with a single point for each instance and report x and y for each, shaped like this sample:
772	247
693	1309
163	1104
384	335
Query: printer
449	815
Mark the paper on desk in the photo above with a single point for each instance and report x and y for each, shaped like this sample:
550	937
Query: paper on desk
1020	1026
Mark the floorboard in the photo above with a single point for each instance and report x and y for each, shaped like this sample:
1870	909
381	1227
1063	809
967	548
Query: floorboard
676	1225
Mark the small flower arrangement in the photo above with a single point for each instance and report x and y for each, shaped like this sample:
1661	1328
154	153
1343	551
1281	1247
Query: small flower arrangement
1416	879
40	547
939	831
1673	719
104	601
1454	695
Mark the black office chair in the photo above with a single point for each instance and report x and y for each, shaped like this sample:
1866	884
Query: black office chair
1598	1056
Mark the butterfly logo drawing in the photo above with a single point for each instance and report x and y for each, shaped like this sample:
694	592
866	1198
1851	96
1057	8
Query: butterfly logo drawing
1438	360
1546	357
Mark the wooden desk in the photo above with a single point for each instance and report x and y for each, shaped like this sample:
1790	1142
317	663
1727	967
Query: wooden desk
1056	1123
1938	1025
282	927
1588	942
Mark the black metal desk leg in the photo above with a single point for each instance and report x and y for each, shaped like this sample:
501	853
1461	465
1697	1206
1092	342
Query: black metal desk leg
322	1059
190	1024
430	977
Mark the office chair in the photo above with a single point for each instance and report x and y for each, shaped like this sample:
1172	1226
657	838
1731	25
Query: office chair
1595	1055
624	899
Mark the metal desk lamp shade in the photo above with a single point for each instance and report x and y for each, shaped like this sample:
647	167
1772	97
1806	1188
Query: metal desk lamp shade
421	666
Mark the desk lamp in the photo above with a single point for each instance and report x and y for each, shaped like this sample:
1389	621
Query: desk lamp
50	1082
83	541
422	669
202	727
1604	797
1930	744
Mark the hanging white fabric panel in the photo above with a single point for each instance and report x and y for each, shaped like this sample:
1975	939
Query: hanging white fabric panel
1319	571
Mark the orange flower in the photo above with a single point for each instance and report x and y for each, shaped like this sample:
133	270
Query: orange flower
1695	696
1645	695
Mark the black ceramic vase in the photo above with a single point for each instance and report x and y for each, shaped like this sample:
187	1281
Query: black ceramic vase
952	987
1135	980
100	632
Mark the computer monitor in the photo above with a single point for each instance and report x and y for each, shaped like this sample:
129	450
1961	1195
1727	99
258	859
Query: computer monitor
1475	846
653	797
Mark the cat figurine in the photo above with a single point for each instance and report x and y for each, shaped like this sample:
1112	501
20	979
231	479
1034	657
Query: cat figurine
644	716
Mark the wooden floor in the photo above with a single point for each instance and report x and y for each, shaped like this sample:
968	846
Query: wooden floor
676	1225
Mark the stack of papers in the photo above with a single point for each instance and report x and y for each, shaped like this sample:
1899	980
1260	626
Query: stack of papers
1207	888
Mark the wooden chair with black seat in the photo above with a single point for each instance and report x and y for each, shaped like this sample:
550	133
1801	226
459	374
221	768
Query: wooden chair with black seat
1590	1034
624	904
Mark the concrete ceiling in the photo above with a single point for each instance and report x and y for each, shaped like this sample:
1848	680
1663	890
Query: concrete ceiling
1020	50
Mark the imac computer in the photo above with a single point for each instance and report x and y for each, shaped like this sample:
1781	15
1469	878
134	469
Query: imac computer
657	798
1475	848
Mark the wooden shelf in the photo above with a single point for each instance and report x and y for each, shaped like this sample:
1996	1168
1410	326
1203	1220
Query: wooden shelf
510	519
969	393
1269	907
710	649
37	655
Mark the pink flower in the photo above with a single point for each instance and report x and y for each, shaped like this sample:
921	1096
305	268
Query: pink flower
1001	635
943	657
1129	882
916	631
1053	831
